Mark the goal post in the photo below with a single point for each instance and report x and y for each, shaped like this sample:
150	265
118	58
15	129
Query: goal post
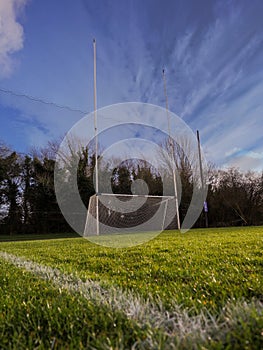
122	214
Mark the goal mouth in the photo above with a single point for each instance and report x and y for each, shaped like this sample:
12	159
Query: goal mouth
128	218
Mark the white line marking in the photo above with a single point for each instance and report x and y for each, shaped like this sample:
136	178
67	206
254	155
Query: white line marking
175	324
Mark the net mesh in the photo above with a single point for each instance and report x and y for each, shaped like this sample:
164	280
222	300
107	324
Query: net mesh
128	214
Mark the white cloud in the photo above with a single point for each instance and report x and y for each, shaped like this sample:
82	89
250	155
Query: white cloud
11	34
255	155
235	126
210	64
36	122
246	163
232	151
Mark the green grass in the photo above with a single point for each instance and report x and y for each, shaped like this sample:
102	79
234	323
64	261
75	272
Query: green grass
35	315
201	270
194	269
34	237
127	240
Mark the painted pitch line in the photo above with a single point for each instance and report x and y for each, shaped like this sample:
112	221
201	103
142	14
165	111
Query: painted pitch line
143	311
176	323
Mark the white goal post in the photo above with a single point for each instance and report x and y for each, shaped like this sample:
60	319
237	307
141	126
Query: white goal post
121	213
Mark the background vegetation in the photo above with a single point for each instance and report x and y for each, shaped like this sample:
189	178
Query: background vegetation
28	202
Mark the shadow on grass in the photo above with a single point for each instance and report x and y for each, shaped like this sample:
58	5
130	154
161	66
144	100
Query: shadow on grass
34	237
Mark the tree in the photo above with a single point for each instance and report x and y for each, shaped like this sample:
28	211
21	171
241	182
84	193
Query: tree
27	184
236	198
85	175
10	170
171	155
142	170
121	180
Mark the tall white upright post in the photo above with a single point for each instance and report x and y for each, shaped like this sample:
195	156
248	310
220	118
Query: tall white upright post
96	135
172	152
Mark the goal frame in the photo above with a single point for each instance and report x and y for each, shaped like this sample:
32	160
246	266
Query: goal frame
164	200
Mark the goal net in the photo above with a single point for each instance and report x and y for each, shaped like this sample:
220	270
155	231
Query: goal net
119	214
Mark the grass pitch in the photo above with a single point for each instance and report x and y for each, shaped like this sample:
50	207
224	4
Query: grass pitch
212	278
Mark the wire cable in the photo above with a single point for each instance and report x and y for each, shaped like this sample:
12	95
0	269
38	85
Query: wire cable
41	100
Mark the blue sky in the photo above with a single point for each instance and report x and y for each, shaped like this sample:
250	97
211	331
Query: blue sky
212	52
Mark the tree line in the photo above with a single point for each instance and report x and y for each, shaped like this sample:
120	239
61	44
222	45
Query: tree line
28	201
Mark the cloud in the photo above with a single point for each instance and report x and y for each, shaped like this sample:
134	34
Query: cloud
36	122
219	86
247	162
236	125
212	61
212	71
11	34
232	151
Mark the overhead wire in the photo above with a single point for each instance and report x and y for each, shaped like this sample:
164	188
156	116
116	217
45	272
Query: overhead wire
51	103
41	100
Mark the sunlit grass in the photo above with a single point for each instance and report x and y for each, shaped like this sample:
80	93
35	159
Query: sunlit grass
201	267
126	240
203	271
